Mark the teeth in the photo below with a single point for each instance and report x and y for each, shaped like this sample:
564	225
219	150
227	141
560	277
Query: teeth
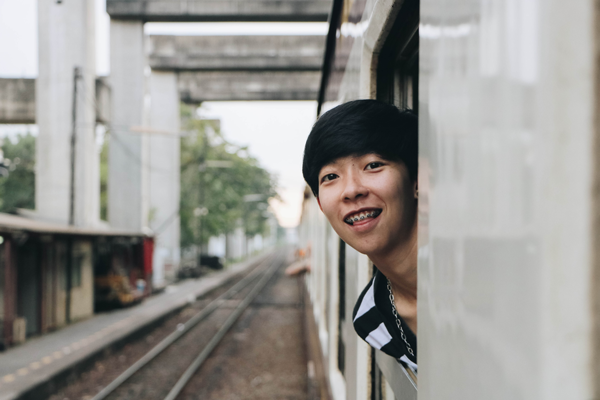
361	216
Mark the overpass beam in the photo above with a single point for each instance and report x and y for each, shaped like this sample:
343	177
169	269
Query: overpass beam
237	53
220	10
198	86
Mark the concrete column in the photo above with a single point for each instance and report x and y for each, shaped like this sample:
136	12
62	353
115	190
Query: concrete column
128	195
164	143
66	40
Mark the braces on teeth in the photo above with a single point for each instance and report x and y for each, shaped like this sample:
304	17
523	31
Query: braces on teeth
362	216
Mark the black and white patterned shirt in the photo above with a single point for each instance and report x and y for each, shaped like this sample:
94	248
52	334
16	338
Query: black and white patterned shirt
374	322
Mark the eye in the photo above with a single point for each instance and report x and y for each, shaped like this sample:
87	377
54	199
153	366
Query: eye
374	165
328	177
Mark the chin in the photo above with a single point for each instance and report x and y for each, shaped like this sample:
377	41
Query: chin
361	247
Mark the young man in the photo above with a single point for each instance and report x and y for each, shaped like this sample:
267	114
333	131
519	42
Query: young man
360	161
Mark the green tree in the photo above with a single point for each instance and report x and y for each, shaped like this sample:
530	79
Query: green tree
222	179
17	190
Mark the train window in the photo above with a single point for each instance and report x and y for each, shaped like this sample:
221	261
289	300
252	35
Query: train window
341	350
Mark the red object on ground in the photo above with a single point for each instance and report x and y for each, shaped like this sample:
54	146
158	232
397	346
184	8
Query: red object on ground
148	253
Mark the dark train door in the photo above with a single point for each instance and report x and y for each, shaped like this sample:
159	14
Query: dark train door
29	286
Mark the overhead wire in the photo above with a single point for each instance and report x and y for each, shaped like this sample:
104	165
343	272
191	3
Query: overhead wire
114	131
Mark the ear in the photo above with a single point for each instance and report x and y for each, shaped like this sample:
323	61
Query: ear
319	201
416	189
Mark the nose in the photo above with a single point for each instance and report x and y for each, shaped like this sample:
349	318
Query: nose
354	187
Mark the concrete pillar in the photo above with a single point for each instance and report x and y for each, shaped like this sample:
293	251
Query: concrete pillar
66	33
128	195
164	143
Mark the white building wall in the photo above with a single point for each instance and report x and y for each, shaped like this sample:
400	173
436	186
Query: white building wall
66	39
217	246
505	183
236	244
255	244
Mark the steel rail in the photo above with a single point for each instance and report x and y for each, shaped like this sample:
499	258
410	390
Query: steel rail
179	332
233	317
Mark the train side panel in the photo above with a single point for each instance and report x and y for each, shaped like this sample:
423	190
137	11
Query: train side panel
507	185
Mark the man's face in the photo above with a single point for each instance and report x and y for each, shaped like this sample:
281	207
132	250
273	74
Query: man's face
370	202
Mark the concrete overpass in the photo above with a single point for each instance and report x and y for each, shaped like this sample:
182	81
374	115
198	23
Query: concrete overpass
17	101
195	87
207	68
236	53
240	67
148	80
220	10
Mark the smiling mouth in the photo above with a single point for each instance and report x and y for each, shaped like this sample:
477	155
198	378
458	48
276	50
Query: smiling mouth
361	216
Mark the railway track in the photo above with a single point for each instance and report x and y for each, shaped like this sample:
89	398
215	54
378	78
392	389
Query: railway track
193	341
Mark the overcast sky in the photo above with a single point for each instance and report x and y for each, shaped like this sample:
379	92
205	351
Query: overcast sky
263	126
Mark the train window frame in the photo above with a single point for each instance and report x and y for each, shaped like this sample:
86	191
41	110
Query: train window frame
398	61
397	82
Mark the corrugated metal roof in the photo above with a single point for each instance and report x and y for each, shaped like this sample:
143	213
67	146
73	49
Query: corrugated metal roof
9	222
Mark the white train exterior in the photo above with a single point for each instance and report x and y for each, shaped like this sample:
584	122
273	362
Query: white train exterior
509	178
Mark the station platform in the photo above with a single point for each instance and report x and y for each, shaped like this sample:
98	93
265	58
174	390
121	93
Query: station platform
28	370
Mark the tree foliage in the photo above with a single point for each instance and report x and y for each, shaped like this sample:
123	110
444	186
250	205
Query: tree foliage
17	190
234	190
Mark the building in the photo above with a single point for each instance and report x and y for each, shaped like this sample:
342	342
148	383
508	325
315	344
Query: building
42	288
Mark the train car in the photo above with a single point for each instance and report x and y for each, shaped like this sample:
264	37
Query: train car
372	52
507	98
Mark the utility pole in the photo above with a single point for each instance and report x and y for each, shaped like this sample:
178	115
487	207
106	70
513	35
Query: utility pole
69	266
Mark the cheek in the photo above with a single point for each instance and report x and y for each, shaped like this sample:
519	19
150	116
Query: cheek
327	206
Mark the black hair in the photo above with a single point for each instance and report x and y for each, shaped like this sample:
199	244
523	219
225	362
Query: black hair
357	128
